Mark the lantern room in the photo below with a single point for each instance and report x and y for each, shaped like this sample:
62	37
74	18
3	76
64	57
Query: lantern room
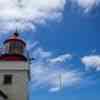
14	48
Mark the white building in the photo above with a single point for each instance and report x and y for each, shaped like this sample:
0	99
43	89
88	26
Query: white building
14	70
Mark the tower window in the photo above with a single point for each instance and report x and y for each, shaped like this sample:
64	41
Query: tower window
7	79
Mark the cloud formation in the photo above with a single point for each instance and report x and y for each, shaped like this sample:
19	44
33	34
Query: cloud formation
87	5
61	58
25	14
50	75
91	61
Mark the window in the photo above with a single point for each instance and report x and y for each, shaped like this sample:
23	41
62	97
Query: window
7	79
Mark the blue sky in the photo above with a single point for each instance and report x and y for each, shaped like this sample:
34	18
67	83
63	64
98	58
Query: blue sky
63	37
77	34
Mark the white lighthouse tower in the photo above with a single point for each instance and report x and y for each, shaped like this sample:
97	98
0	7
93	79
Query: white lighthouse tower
14	70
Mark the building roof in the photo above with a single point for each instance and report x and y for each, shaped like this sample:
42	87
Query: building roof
15	37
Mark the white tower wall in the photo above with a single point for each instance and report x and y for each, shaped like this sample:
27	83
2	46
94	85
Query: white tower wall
20	76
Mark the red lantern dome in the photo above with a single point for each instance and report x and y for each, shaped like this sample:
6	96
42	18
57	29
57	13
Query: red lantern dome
14	49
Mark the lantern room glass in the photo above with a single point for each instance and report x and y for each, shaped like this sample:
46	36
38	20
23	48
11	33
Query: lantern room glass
14	47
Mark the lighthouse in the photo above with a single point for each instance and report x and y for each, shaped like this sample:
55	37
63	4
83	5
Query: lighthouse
14	69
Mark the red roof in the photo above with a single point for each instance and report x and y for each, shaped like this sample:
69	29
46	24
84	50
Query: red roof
15	37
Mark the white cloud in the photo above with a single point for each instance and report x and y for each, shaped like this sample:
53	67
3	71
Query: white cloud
25	14
31	46
87	5
54	79
47	75
55	89
61	58
41	54
91	61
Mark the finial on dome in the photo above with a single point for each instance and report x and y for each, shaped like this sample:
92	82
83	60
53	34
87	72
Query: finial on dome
16	34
